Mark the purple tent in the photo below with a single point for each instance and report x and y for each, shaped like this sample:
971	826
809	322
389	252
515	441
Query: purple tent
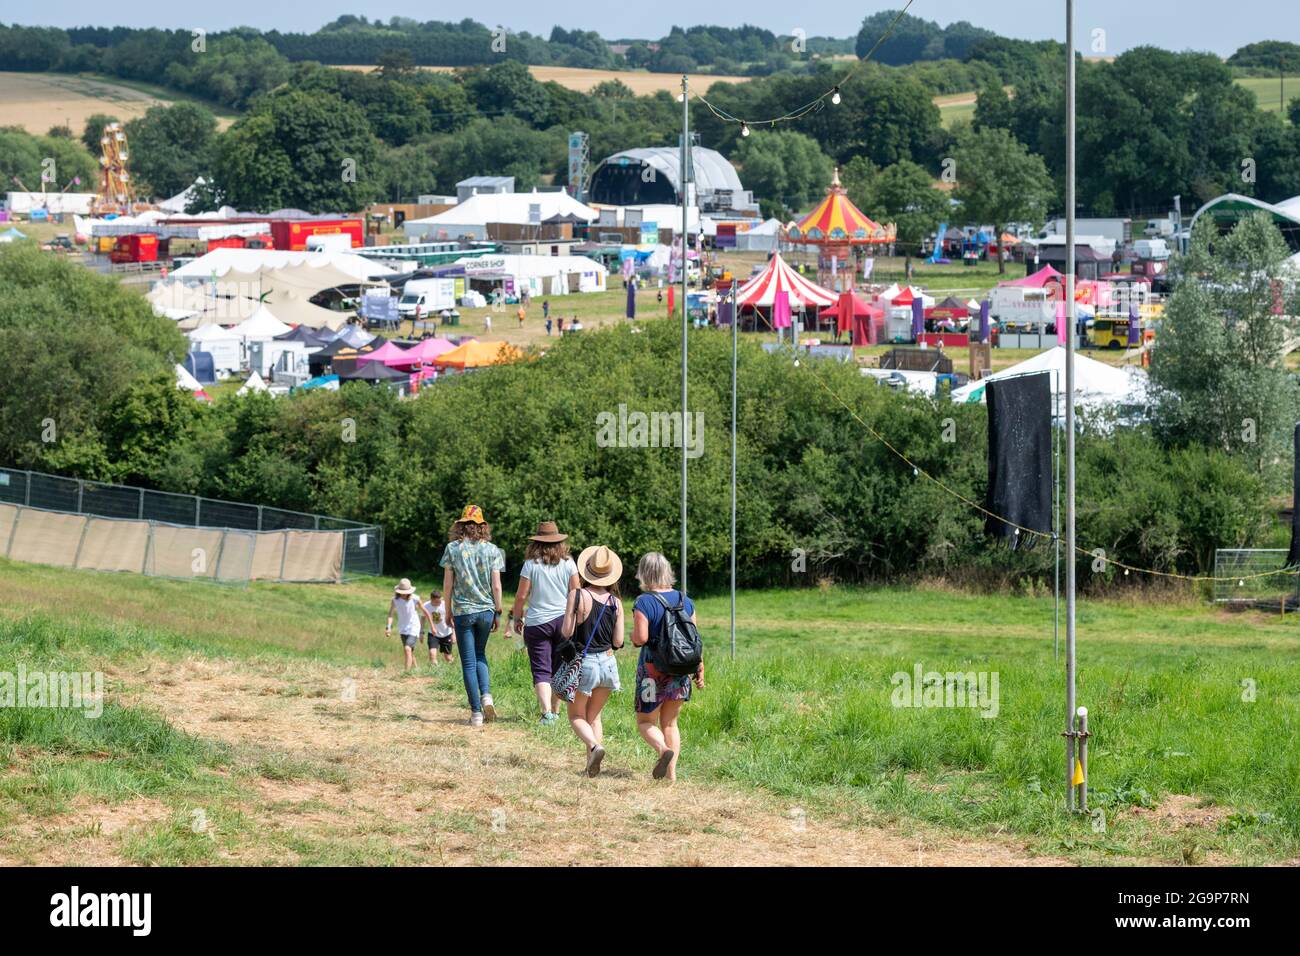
918	319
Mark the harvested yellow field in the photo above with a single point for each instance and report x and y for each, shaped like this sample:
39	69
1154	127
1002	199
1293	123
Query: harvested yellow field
582	80
38	101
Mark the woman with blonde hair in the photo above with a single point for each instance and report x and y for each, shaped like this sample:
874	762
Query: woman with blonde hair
593	620
659	696
472	583
545	580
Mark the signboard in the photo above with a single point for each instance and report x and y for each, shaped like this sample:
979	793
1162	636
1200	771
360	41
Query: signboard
649	233
485	265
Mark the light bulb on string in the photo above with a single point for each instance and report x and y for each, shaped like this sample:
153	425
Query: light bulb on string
835	95
744	129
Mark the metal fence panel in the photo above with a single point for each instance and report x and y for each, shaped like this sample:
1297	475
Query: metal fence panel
170	508
363	552
228	541
1242	577
109	501
54	494
227	514
276	519
13	487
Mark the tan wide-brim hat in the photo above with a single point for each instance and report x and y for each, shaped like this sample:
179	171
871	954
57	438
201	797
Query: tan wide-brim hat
548	533
404	588
599	565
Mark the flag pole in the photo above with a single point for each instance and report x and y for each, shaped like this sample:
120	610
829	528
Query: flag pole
734	349
1070	342
684	177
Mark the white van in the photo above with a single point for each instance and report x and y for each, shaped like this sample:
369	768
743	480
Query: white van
426	295
329	242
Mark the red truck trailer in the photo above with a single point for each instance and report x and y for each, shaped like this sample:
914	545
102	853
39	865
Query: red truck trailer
292	234
138	247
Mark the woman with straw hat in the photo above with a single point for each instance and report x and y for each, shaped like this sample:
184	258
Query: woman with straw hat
545	580
472	580
593	619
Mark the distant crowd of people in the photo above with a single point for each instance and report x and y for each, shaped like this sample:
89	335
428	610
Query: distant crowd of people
569	617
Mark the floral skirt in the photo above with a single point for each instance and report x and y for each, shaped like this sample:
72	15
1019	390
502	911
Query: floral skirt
653	687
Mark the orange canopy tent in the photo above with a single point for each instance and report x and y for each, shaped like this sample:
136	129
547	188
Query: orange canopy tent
477	354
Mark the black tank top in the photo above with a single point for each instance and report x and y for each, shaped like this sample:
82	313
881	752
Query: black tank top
603	640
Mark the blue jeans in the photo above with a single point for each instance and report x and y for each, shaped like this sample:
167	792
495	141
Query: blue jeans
472	631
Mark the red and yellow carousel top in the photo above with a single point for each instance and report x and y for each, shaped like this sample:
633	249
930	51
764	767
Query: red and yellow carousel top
837	221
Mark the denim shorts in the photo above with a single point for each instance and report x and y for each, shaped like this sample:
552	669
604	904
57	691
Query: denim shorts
598	670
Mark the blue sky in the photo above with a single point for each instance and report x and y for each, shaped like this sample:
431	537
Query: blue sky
1174	24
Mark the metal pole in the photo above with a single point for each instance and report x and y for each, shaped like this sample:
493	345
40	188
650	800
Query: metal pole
734	349
685	172
1082	793
1071	334
1056	524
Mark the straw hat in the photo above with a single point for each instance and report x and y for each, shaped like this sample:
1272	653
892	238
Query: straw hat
548	533
404	588
473	513
599	565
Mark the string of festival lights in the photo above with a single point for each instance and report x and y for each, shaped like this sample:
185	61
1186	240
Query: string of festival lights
812	106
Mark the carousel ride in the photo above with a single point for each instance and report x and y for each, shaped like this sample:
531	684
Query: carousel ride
839	232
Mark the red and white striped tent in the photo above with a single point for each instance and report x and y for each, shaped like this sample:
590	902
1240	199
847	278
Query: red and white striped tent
760	291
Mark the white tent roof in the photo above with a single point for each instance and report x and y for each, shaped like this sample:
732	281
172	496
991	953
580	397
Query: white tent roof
261	325
214	333
221	261
255	383
1095	383
187	381
483	208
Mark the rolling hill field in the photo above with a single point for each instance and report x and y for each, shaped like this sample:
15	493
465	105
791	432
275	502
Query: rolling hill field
37	101
274	725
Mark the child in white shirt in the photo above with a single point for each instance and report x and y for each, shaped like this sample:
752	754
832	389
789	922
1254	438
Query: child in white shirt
435	610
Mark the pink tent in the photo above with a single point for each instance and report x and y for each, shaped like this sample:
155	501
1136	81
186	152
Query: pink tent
422	353
849	307
386	353
1036	281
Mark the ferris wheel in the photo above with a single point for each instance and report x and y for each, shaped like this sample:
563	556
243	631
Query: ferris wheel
115	190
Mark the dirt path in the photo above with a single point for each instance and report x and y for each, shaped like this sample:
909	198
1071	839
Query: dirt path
405	779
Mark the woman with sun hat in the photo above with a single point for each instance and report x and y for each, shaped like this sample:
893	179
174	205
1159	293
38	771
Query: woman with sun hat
593	621
472	583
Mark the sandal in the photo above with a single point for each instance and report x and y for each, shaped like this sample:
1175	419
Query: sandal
661	768
594	757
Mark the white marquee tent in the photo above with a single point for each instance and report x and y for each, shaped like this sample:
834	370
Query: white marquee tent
1096	384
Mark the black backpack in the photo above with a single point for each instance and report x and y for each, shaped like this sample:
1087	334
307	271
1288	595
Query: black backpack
675	645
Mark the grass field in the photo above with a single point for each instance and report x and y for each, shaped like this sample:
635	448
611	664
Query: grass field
224	706
1269	91
37	101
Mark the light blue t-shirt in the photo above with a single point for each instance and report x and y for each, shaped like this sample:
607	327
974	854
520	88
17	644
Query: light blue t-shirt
473	563
549	589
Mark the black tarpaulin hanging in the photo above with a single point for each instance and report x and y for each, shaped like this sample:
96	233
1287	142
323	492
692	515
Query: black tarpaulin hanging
1020	458
1293	556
